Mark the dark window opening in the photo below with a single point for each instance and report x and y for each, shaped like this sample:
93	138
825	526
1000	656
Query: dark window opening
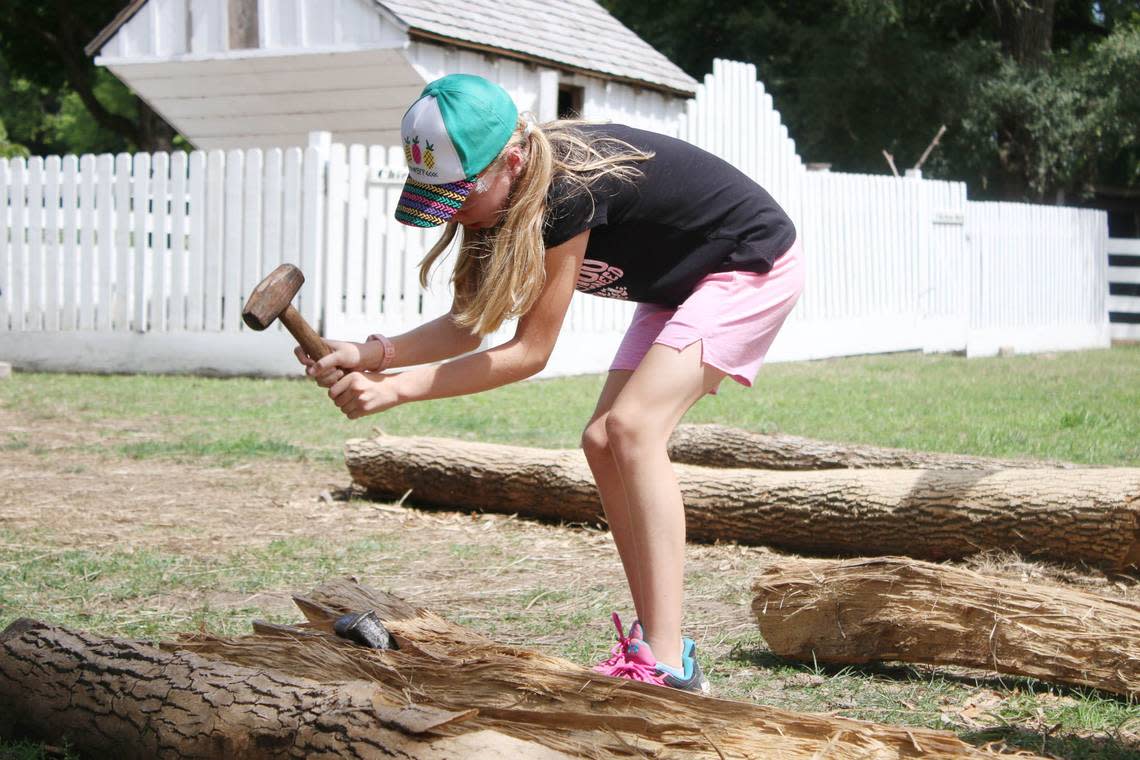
570	99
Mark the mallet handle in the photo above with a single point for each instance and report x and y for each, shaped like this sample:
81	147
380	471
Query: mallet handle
305	335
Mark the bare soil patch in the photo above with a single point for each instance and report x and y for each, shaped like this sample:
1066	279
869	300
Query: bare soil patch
60	493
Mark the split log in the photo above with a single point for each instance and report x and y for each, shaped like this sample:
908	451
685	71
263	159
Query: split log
723	446
130	700
299	691
1079	515
891	609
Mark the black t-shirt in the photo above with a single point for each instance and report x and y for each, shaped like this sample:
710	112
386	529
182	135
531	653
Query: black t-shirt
688	215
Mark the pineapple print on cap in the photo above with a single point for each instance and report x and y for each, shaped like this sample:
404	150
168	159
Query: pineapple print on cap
429	158
416	155
407	150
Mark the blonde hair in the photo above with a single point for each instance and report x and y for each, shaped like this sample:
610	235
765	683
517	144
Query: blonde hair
500	271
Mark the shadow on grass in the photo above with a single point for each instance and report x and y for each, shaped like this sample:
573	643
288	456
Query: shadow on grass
30	749
1054	745
907	673
1018	719
409	501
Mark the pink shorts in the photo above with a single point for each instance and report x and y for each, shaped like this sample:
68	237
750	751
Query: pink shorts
735	315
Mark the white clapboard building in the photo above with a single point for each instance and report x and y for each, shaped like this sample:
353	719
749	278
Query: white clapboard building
266	73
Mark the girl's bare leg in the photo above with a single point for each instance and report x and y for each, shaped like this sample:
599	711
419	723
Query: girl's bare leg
595	444
632	425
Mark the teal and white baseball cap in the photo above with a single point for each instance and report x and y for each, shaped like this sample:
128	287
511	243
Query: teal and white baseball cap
456	128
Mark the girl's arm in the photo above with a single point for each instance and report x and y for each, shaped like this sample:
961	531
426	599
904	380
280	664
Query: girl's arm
525	354
432	341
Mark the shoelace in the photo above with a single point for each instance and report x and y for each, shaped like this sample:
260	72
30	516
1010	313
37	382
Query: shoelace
620	665
617	653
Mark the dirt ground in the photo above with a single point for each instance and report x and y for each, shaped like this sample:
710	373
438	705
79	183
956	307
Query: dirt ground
87	499
96	498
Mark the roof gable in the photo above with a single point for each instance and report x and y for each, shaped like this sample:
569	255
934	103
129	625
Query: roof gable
122	17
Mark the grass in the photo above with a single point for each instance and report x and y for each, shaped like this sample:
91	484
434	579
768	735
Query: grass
1082	407
226	450
25	750
145	593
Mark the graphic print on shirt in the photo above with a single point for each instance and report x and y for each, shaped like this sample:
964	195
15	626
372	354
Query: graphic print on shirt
596	277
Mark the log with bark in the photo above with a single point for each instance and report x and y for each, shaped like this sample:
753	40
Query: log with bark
1079	515
113	697
893	609
300	691
723	446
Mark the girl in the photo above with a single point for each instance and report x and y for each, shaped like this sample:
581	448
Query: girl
710	258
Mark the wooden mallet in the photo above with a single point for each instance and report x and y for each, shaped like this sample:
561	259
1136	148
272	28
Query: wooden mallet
273	299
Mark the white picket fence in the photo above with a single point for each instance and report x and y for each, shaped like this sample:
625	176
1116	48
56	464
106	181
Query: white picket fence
142	263
123	263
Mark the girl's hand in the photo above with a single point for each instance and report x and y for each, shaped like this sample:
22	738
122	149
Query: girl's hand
345	357
360	393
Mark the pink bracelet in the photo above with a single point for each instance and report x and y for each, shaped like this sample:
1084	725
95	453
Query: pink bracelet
389	350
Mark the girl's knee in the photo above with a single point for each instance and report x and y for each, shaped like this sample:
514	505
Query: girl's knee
595	442
628	430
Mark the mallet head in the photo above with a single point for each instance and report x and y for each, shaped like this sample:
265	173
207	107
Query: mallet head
365	629
272	296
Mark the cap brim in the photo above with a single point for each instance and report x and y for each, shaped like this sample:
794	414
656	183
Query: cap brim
431	205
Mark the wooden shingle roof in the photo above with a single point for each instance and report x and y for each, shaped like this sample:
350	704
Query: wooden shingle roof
579	34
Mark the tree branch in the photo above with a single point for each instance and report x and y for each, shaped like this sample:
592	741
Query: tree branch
933	143
890	162
77	69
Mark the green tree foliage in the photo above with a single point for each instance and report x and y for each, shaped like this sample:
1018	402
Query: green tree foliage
1114	76
8	149
1032	131
53	99
42	121
1039	96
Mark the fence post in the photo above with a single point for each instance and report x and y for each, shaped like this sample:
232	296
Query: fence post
312	226
336	210
925	286
17	282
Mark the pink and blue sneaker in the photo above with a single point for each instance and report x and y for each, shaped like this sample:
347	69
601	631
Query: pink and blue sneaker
632	658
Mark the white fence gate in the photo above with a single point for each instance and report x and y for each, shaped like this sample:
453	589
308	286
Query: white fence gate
1040	278
1124	288
142	263
885	272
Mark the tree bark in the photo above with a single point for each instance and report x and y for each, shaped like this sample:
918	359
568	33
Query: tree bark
892	609
1077	515
242	696
722	446
66	40
1026	29
154	133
